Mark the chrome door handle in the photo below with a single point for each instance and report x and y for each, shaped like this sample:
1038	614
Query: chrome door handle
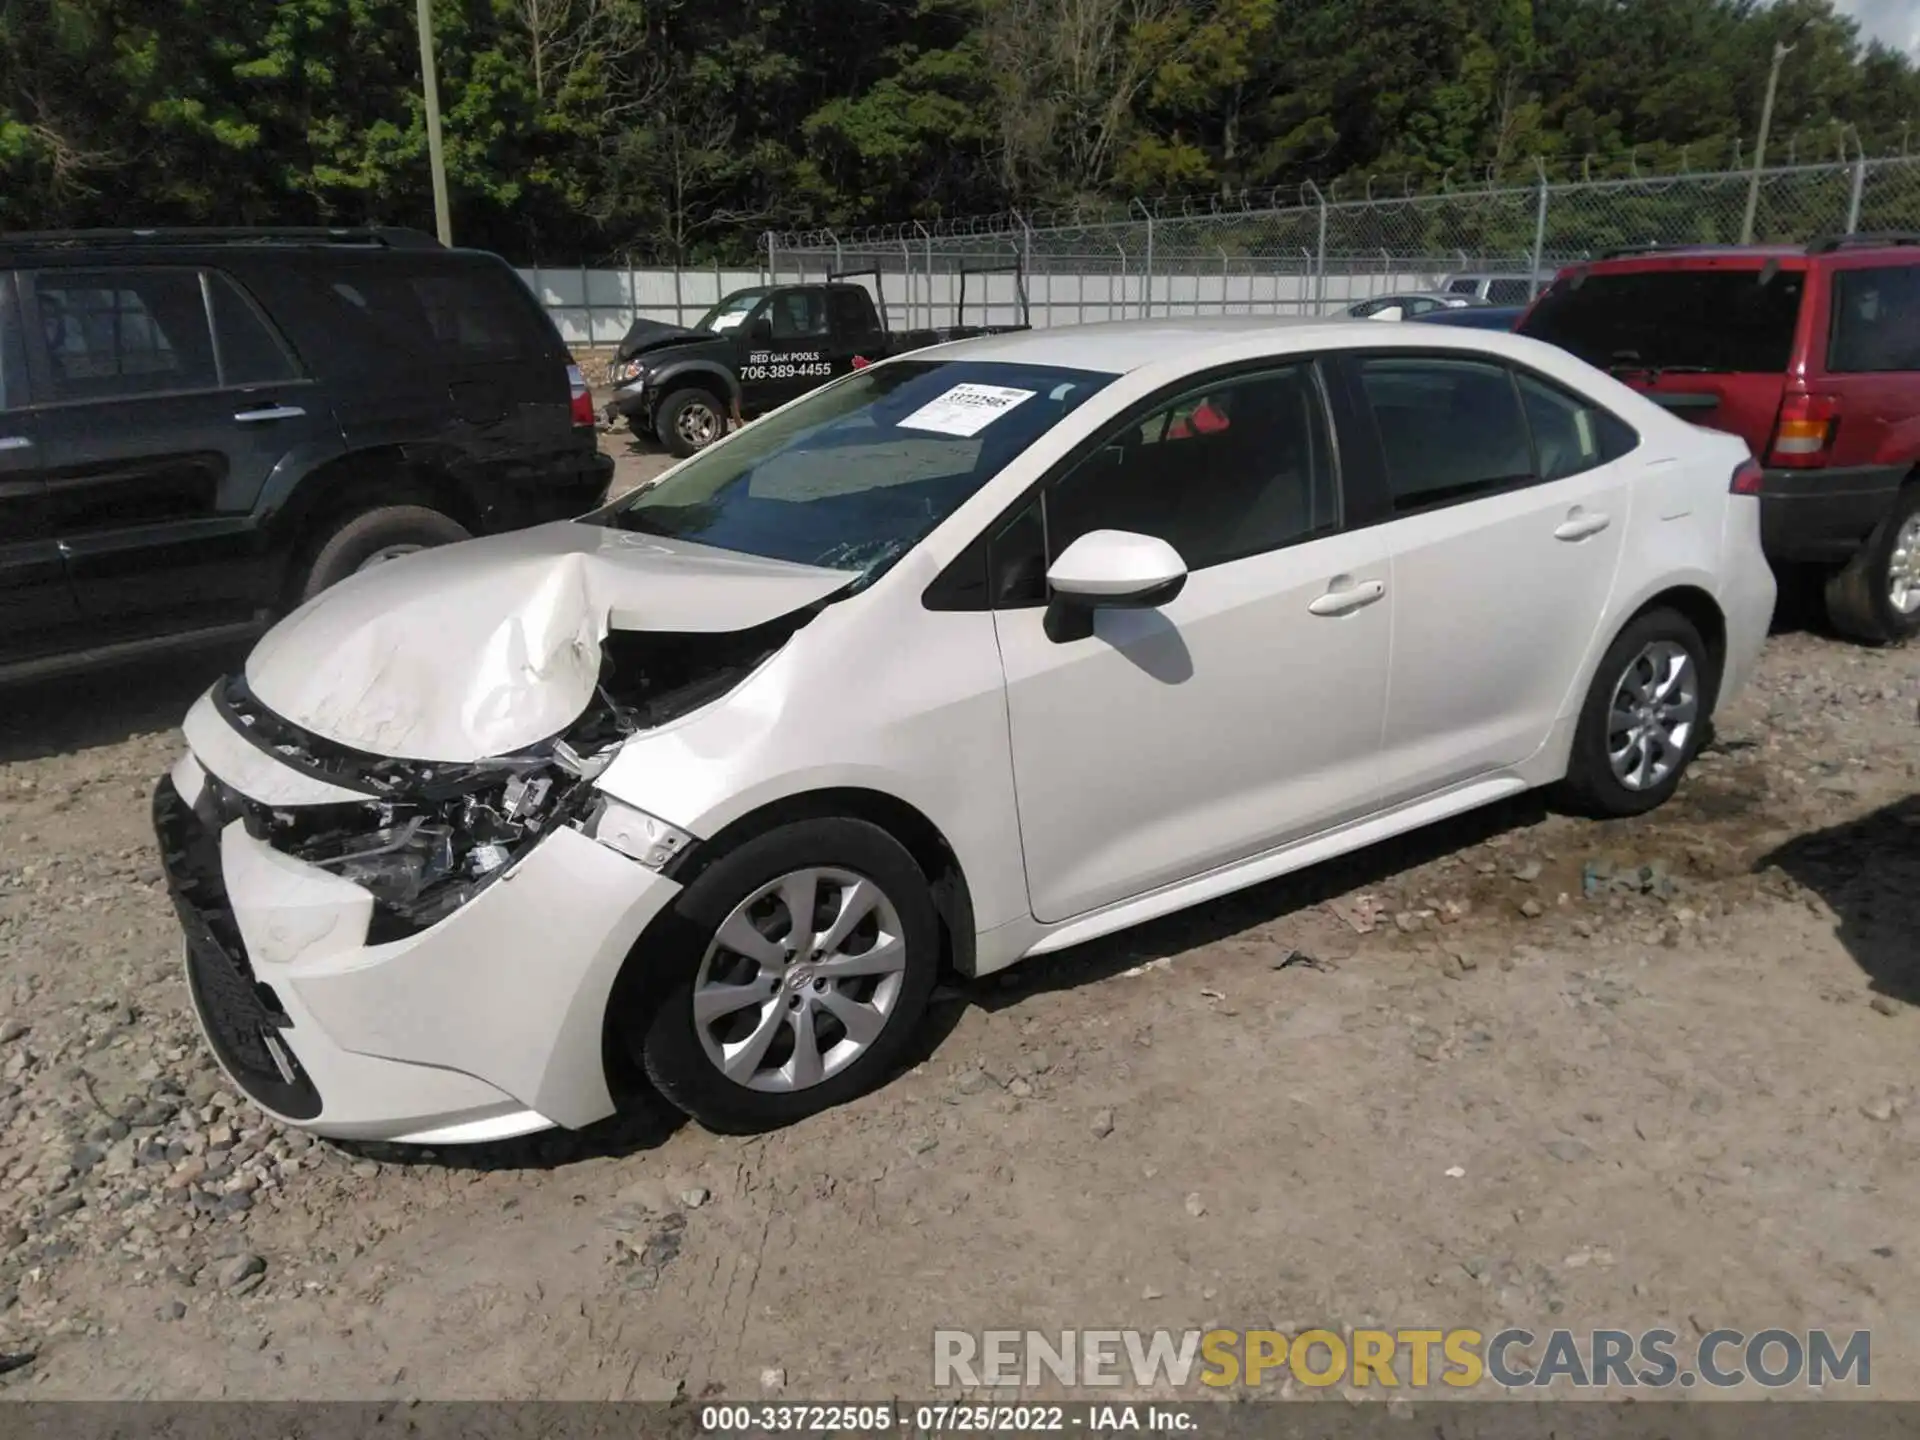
1348	598
15	442
271	412
1579	524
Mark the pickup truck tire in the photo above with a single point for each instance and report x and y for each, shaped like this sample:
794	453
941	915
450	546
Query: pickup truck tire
1875	597
360	541
689	420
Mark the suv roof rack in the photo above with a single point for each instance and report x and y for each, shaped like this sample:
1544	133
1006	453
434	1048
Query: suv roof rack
389	236
1665	247
1827	244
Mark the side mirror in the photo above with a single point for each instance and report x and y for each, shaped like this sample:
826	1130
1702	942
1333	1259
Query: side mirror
760	332
1109	569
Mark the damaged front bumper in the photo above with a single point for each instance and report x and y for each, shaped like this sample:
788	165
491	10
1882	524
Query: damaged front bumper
428	992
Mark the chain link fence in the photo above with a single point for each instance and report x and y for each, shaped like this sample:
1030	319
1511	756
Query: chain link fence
1323	252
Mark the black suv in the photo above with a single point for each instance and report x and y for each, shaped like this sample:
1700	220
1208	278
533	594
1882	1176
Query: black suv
201	428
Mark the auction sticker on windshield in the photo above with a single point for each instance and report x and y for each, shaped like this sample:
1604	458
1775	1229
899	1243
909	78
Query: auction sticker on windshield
965	409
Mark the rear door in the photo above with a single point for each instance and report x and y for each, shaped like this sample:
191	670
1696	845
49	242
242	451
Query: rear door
447	357
1510	499
169	400
855	326
36	605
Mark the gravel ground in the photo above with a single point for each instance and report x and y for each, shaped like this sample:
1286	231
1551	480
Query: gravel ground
1515	1069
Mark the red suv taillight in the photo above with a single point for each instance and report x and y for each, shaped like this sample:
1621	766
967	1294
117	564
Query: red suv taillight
582	396
1748	478
1803	437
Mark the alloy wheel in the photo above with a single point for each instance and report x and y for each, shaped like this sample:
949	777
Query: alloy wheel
1903	568
1650	723
800	979
698	424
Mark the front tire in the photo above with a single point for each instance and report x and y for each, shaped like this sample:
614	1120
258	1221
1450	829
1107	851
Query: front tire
1644	717
758	1019
689	421
1875	597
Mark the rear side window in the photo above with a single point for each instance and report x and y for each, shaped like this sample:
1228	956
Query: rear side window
1570	434
849	311
1463	287
1876	319
1708	321
1451	430
124	332
1509	292
469	313
13	353
251	351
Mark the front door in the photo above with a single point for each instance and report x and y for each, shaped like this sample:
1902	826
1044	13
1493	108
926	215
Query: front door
1510	514
794	357
169	402
1242	714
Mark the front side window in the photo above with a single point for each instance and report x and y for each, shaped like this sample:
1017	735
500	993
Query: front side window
798	315
1231	470
854	475
124	332
732	312
1876	320
1450	430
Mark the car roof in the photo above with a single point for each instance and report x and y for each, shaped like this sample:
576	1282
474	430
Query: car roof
1892	246
1116	347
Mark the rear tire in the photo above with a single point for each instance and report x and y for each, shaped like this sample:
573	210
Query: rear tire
366	538
1875	597
1644	718
689	421
766	1011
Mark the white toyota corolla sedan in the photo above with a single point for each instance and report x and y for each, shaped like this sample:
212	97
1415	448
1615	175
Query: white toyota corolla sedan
965	658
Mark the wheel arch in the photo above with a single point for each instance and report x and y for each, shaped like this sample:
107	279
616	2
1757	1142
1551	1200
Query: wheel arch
696	375
903	821
1701	610
352	484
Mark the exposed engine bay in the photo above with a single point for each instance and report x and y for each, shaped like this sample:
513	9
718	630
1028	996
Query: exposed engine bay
430	835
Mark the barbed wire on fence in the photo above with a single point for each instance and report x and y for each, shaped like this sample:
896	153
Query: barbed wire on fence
1337	245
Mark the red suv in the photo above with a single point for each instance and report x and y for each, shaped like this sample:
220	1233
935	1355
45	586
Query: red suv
1809	354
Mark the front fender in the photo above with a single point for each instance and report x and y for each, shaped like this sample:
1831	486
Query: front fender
672	376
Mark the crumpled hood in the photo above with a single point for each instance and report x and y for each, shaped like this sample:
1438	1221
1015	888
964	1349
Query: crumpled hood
488	646
644	335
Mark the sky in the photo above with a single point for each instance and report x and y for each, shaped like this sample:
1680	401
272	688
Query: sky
1894	22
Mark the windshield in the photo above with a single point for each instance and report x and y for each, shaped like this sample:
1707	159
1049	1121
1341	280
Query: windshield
731	311
854	475
1702	320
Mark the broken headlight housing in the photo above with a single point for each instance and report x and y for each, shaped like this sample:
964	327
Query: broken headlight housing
429	835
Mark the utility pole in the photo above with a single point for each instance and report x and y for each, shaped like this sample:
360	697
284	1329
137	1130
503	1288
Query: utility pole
436	157
1780	53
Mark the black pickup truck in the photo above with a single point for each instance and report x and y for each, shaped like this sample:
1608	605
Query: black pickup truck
756	350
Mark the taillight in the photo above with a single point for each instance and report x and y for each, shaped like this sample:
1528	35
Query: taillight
582	396
1805	430
1748	478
